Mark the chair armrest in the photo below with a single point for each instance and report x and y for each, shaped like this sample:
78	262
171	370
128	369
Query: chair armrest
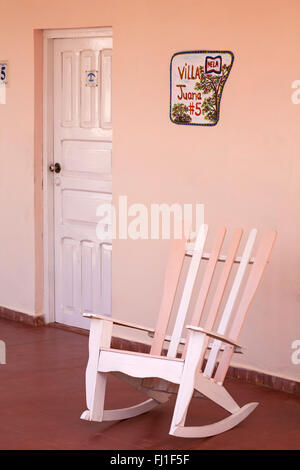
119	322
214	335
237	349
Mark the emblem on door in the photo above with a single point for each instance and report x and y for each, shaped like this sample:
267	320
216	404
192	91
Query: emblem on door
91	78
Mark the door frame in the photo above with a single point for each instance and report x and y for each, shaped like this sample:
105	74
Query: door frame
48	130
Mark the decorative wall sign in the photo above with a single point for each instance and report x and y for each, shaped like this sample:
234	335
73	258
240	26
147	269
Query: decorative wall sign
3	72
91	78
197	82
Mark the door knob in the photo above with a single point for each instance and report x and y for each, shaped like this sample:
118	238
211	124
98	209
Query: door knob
55	167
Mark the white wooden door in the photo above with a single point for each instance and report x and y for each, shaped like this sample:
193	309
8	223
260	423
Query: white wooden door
82	153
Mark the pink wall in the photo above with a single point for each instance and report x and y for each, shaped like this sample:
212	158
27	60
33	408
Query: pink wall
246	170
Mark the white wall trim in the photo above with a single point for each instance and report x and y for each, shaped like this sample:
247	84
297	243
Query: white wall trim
48	206
48	220
77	33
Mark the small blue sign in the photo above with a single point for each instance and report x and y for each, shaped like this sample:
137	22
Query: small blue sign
91	78
3	72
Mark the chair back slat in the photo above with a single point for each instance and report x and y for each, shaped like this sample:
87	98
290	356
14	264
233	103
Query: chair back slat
221	287
187	291
213	312
208	276
231	302
261	260
173	271
206	282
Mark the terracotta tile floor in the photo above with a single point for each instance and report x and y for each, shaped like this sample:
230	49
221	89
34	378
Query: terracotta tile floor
42	397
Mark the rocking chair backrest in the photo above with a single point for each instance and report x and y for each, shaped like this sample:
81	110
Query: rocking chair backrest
231	318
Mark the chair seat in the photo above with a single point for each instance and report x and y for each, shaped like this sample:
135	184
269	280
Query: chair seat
140	364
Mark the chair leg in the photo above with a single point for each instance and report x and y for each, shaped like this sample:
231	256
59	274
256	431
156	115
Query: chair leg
187	383
100	336
96	405
192	379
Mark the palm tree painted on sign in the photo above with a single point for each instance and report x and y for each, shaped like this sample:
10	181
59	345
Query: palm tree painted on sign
212	85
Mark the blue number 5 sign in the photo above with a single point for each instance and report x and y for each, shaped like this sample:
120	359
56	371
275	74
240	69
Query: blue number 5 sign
3	72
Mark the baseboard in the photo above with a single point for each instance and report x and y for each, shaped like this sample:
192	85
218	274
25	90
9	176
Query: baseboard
266	380
21	317
237	373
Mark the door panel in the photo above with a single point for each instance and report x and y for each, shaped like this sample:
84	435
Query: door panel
96	162
83	148
80	207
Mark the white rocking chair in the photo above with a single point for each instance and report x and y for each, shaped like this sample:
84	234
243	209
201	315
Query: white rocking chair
208	350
